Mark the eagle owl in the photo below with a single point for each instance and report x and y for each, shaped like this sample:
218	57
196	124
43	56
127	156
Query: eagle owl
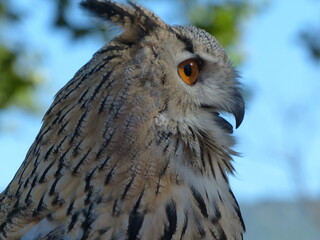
134	146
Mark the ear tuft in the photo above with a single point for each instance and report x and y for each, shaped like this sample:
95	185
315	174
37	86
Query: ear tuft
131	16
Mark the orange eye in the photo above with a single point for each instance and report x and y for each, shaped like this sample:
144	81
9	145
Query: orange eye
189	71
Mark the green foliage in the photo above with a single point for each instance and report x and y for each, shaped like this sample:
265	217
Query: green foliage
7	13
17	80
17	84
223	21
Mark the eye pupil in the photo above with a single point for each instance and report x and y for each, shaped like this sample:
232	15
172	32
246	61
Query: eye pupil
187	70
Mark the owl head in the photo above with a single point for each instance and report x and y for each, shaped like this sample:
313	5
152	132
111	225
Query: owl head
182	69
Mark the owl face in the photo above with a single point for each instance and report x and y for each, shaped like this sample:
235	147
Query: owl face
198	81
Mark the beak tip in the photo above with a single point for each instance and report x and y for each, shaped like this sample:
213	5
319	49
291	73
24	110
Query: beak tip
239	113
239	121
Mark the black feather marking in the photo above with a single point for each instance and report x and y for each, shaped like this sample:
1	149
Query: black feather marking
41	134
105	143
27	200
41	207
161	174
110	175
103	103
201	204
3	232
50	217
86	224
192	132
129	119
223	173
126	189
78	127
61	129
88	197
56	150
105	62
106	10
34	170
43	176
202	158
102	165
17	194
201	230
83	95
103	230
219	234
16	210
111	48
76	149
176	147
46	156
88	180
166	147
211	166
24	169
26	182
133	16
57	116
76	168
65	114
214	235
138	202
61	164
115	210
135	223
98	88
52	190
217	214
171	228
135	220
237	209
69	210
187	42
73	221
185	225
220	198
222	234
57	200
66	95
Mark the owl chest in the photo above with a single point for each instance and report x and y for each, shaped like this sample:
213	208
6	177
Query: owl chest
176	211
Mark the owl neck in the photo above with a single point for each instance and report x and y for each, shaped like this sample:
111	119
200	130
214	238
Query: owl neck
179	181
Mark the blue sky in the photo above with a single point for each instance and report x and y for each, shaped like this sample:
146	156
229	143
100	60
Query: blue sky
278	139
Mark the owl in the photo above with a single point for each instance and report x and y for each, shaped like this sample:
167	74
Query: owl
134	146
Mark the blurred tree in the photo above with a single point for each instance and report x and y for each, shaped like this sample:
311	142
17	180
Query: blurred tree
17	84
311	40
223	20
310	37
18	80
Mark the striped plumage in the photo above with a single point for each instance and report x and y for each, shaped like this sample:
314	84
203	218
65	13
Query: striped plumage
128	150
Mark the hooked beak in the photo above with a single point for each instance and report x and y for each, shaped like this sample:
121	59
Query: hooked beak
236	108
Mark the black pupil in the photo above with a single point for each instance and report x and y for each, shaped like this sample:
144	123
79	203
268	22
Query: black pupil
187	70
